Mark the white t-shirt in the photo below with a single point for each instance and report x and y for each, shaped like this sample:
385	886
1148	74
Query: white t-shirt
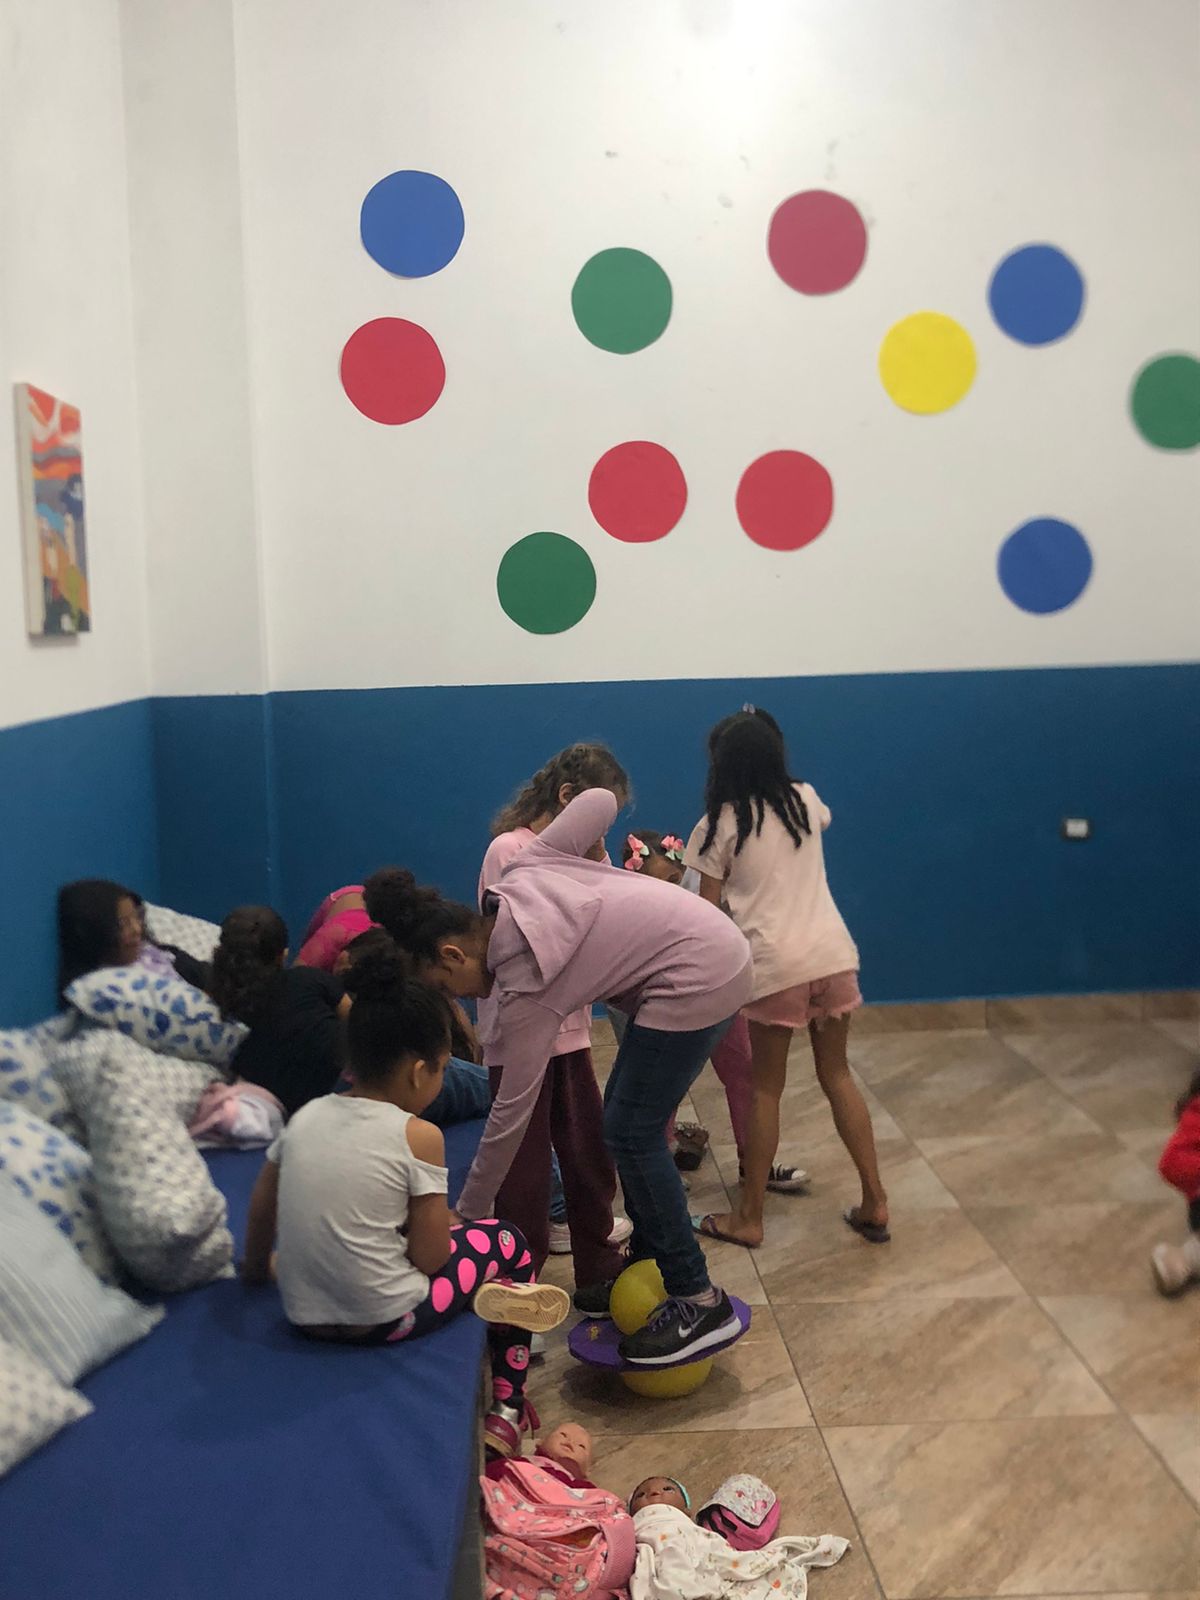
779	897
346	1174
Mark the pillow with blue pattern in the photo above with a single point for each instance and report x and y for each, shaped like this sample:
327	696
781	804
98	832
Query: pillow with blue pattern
55	1175
158	1010
27	1076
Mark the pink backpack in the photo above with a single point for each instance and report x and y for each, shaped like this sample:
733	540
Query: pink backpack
743	1511
542	1535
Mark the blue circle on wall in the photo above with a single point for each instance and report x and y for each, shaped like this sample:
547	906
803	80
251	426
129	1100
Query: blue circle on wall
1036	294
412	223
1044	565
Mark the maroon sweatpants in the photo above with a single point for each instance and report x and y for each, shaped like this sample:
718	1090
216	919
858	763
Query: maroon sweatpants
568	1117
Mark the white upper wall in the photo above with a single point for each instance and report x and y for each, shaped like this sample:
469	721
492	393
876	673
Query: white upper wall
192	347
65	325
960	129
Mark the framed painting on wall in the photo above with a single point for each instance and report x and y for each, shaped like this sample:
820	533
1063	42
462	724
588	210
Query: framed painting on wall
53	536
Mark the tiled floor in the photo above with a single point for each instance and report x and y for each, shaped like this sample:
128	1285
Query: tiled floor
996	1403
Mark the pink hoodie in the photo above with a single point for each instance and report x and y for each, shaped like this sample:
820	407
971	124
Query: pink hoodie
569	931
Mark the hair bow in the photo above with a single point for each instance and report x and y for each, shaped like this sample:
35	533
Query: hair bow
638	851
672	848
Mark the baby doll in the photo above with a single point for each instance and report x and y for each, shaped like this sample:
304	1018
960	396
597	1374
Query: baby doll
660	1492
568	1453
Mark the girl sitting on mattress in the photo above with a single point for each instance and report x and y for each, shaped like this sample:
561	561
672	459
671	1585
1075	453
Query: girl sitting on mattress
354	1191
103	924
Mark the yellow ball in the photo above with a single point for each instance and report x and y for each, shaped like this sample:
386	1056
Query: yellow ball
668	1383
637	1295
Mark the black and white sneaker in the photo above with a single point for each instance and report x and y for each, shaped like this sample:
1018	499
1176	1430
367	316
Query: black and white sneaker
681	1330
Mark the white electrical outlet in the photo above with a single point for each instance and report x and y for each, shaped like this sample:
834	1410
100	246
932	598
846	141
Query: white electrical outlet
1076	828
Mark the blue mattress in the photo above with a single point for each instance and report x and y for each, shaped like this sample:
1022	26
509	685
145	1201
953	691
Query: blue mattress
228	1458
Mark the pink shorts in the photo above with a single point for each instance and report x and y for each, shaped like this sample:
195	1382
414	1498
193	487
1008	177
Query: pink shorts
818	1002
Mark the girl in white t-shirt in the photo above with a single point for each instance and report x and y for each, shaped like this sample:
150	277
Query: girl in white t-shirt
355	1187
759	848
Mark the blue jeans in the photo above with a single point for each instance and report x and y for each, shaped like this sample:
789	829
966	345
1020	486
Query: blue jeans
465	1095
651	1075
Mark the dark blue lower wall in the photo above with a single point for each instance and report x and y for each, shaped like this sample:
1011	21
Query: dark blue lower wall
76	801
948	790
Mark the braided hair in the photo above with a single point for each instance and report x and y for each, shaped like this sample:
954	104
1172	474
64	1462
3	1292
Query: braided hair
254	941
417	918
582	766
393	1016
747	769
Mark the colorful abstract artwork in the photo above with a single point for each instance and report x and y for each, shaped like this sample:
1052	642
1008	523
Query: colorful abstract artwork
50	462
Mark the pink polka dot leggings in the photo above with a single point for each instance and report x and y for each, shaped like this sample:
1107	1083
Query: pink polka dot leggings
479	1252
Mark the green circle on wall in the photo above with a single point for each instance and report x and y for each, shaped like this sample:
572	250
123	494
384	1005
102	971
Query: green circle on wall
546	583
1166	402
621	300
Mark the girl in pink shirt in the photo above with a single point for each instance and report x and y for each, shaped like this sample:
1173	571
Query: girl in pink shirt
568	1109
558	930
340	917
759	847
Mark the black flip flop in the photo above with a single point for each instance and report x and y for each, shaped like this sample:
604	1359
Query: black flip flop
706	1227
872	1232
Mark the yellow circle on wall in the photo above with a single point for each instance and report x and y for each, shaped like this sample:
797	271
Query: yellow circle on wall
927	362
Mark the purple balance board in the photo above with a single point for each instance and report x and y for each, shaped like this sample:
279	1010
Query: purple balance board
594	1342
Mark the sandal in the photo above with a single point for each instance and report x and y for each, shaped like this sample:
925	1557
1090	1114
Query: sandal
706	1227
872	1232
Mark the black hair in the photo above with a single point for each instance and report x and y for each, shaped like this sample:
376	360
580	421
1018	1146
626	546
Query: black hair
369	939
417	918
583	766
393	1016
89	932
747	769
254	940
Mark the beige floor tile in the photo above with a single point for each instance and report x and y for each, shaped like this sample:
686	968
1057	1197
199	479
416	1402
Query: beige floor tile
1172	1004
1063	1010
1144	1349
1124	1077
1177	1440
752	1386
957	1083
936	1361
1147	1144
1079	1249
1057	1168
934	1254
1071	1505
1185	1033
795	1464
920	1018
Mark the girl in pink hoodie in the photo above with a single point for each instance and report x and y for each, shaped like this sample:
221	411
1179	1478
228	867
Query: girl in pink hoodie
558	931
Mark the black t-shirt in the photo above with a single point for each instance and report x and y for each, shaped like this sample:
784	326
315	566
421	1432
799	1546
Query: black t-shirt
294	1048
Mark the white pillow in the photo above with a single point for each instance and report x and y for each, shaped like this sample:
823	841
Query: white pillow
158	1010
34	1406
161	1210
54	1307
27	1070
55	1175
191	934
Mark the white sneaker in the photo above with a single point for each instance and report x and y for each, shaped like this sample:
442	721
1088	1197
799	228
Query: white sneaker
560	1235
537	1346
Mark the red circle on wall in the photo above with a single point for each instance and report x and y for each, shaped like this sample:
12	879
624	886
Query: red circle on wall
637	491
392	370
817	241
785	499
